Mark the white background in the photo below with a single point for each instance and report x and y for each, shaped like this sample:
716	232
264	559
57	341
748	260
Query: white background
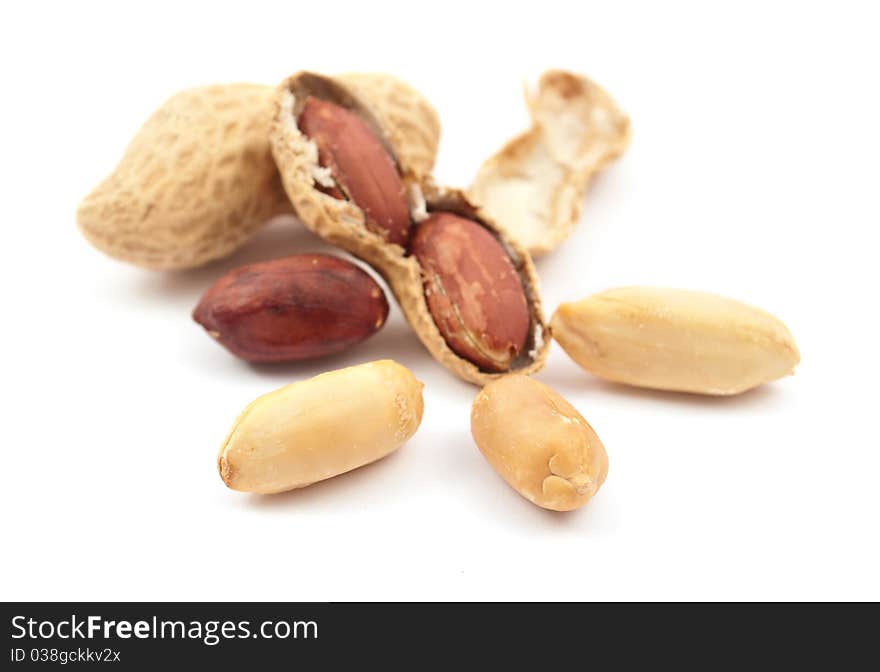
753	172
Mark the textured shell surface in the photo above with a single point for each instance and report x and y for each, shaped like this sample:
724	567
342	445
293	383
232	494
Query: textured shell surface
193	185
535	184
342	223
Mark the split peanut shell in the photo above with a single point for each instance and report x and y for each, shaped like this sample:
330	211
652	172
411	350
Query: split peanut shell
535	184
342	223
199	179
404	275
410	123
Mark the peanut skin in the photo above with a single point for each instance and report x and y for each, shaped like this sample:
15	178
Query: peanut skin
364	171
473	292
296	308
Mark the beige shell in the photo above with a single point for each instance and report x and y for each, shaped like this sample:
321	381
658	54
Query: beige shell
535	184
193	185
342	223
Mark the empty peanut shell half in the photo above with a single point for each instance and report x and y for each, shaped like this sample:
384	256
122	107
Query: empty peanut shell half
469	292
675	339
535	184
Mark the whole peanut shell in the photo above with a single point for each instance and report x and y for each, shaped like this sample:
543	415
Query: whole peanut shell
295	308
193	185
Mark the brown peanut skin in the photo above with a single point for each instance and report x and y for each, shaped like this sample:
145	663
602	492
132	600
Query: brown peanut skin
362	168
473	292
295	308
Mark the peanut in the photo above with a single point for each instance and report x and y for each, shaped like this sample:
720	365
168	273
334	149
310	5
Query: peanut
199	178
363	170
409	123
299	307
471	296
473	291
322	427
674	339
538	443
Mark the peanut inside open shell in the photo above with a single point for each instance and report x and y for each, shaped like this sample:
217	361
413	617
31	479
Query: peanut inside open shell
344	223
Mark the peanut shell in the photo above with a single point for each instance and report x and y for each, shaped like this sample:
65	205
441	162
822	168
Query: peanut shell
342	223
535	184
193	185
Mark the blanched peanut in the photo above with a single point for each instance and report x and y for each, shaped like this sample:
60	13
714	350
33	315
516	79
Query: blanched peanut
675	339
321	427
538	443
